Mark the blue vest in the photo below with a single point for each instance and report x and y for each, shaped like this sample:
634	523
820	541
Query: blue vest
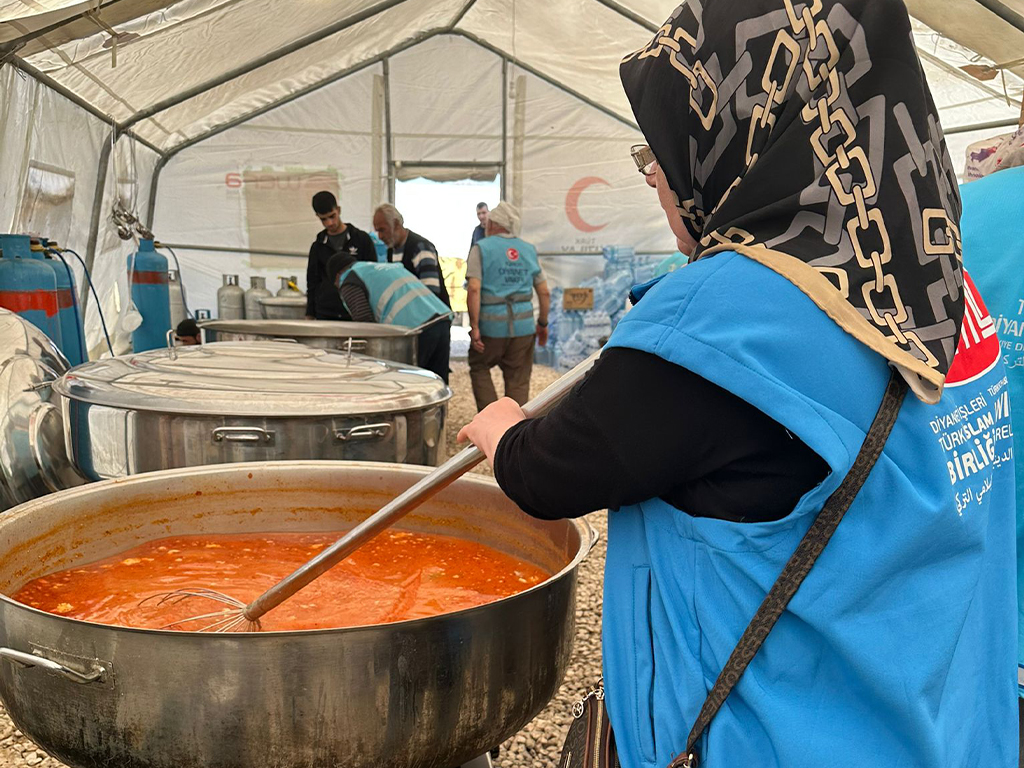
993	241
396	296
506	288
898	649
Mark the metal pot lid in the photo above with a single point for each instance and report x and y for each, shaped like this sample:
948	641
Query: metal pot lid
309	328
33	459
283	301
255	378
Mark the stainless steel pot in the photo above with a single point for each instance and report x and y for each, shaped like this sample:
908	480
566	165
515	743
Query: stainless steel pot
428	693
257	401
33	458
385	342
283	307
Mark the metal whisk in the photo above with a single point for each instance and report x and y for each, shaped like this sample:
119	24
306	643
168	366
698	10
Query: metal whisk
246	618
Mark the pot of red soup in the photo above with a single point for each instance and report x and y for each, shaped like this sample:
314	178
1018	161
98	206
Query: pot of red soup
434	643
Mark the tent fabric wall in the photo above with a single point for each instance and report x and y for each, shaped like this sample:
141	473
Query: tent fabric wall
567	123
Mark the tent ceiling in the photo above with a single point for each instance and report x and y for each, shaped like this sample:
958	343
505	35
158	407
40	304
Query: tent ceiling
190	67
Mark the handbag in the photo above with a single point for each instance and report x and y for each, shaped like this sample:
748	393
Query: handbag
590	742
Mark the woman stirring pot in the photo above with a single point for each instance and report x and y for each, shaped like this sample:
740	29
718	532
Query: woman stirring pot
797	153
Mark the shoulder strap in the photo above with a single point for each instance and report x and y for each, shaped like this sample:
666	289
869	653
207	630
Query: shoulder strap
799	565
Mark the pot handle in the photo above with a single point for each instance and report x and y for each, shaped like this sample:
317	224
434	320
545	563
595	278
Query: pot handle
95	675
593	533
363	432
243	435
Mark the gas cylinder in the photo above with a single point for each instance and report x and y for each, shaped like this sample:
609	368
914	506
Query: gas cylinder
70	338
176	295
151	296
28	287
287	290
71	330
258	290
230	299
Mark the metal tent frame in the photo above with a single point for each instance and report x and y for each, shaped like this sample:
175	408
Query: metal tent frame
9	50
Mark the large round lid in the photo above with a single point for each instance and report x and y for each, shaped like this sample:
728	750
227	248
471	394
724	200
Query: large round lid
265	378
33	459
309	328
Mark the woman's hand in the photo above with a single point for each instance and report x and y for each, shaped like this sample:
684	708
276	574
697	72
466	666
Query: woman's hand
486	430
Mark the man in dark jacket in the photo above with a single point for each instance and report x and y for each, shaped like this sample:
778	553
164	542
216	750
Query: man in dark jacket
322	300
416	253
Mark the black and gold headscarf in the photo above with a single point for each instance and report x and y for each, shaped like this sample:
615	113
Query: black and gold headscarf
803	135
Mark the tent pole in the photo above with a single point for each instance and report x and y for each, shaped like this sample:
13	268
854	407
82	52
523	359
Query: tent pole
71	96
267	58
636	18
504	127
97	211
389	154
340	75
151	208
1009	122
1005	13
546	78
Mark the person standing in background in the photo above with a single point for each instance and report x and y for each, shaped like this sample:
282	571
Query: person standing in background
322	301
415	252
503	272
993	243
479	233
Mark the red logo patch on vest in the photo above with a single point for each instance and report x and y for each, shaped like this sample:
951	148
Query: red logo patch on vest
978	350
513	254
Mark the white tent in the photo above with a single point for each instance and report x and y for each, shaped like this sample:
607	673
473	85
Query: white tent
214	119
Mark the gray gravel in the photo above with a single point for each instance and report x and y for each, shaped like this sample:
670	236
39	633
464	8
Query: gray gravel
539	743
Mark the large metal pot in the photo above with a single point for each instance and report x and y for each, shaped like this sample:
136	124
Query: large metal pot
33	459
428	693
283	307
385	342
257	401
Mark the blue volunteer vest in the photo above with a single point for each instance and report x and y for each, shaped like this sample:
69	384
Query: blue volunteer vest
397	297
993	241
506	289
898	649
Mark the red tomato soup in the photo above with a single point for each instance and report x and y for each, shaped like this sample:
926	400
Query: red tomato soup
398	575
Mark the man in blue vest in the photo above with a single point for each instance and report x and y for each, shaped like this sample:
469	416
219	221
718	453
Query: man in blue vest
387	293
502	272
993	239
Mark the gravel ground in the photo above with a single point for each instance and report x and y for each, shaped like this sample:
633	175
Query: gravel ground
539	743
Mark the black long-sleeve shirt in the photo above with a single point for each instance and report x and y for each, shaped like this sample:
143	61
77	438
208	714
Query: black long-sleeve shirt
641	427
322	300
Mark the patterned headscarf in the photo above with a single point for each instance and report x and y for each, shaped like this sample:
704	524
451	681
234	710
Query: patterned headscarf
803	135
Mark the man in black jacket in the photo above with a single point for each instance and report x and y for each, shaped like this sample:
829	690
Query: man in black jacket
322	300
416	253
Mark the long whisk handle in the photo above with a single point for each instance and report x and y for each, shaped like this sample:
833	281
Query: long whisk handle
396	509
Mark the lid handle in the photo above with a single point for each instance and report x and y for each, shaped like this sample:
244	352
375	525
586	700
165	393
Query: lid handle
256	435
363	432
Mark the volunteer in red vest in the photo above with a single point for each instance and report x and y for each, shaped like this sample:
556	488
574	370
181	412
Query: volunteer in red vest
502	273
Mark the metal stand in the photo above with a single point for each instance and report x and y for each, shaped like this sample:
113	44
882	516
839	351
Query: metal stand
484	761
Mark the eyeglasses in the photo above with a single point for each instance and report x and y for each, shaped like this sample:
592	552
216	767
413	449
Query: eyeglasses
644	158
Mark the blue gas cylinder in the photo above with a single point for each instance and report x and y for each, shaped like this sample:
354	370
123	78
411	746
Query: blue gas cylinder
71	329
378	244
27	287
67	309
151	296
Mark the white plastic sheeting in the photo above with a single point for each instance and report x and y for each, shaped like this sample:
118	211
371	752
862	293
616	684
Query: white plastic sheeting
223	82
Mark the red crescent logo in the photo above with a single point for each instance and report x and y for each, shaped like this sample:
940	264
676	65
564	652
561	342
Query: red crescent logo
513	254
572	204
978	349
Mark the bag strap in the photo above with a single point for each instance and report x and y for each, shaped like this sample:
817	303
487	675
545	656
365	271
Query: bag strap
799	565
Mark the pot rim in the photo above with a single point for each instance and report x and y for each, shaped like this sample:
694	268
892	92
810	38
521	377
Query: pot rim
588	538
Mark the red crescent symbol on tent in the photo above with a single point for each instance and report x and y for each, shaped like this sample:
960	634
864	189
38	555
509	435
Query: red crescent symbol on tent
572	203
